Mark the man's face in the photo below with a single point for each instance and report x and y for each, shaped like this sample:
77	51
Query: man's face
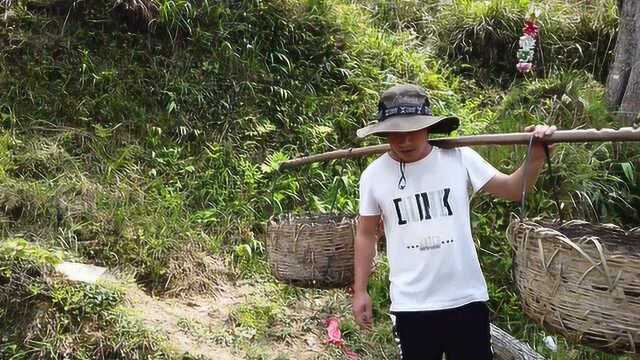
409	146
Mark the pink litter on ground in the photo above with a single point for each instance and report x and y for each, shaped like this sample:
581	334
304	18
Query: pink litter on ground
335	337
333	331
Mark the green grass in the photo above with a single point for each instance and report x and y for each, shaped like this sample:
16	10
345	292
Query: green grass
482	36
45	316
149	148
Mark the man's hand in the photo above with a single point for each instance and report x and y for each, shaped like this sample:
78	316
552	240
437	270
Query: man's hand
540	132
361	307
510	186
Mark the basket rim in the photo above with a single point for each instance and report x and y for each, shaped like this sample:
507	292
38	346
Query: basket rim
599	240
312	218
542	224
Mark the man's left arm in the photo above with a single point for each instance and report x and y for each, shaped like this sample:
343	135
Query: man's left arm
510	186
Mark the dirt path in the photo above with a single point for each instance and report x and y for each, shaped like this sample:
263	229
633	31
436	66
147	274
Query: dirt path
250	319
201	327
169	317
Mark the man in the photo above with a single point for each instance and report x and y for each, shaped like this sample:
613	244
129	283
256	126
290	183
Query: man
421	194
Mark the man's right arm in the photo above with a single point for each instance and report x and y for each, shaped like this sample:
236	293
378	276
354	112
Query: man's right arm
365	250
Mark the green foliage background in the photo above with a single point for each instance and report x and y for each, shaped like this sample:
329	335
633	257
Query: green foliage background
126	144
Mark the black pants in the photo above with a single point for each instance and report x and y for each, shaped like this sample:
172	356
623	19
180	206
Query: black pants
460	333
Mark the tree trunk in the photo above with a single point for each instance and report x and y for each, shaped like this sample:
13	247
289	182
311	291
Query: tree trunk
630	105
623	82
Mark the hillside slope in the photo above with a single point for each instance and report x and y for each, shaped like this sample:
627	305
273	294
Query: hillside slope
148	142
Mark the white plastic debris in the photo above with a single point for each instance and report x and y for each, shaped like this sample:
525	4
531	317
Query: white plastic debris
81	272
550	343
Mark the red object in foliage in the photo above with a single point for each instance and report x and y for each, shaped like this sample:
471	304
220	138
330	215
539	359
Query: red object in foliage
333	331
530	28
335	337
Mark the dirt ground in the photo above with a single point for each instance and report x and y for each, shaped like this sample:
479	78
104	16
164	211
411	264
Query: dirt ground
200	326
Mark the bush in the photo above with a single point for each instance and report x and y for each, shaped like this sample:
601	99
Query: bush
44	316
148	148
485	36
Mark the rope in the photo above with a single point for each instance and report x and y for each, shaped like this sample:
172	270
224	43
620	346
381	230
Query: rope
524	181
402	183
556	199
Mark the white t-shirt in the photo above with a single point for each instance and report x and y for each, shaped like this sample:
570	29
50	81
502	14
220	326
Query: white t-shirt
432	258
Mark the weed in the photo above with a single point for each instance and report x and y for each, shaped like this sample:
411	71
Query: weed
153	147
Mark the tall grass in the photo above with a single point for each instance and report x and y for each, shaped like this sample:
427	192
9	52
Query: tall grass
143	150
573	35
48	318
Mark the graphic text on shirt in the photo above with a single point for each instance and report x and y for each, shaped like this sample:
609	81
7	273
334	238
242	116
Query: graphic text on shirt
423	206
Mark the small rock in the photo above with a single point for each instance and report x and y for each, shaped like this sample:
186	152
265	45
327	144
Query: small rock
550	343
82	272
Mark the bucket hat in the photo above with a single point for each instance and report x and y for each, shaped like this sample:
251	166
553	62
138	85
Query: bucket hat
406	108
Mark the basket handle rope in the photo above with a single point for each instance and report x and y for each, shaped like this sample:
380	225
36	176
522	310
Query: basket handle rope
527	164
554	185
523	197
603	262
335	195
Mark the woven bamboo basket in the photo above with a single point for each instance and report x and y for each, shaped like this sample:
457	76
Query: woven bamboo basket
312	250
580	280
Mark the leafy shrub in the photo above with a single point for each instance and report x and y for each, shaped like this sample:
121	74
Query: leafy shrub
43	316
485	35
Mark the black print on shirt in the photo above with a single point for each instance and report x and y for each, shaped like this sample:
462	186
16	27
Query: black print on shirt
423	206
430	243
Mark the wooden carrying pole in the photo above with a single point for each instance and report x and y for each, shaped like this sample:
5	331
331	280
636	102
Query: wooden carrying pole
568	136
506	347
